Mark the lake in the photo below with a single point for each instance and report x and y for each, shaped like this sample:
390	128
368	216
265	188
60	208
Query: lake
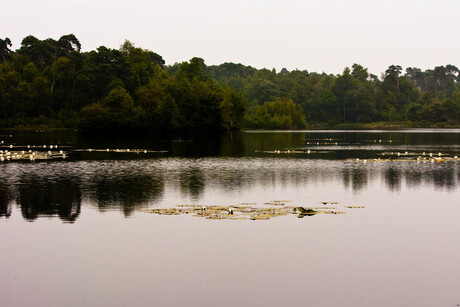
130	221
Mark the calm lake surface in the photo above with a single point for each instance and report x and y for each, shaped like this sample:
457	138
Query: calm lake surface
76	232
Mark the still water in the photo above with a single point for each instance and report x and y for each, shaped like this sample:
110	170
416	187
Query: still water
76	232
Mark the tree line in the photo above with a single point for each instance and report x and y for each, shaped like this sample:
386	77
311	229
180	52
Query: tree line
355	96
52	82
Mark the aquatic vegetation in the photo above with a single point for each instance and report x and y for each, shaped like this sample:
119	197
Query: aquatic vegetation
378	141
293	151
125	150
39	152
307	211
409	157
247	211
274	204
30	155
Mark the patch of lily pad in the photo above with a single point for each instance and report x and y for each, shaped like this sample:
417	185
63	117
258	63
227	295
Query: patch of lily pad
410	157
293	151
30	155
46	152
249	211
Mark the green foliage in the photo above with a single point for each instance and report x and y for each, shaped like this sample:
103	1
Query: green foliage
360	73
282	113
197	97
233	108
413	112
115	112
159	110
5	50
131	89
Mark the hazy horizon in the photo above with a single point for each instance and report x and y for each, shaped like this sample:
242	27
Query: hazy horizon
324	36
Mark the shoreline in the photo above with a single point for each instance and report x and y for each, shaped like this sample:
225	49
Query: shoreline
351	126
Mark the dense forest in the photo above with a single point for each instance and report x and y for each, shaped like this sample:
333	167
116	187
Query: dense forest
52	83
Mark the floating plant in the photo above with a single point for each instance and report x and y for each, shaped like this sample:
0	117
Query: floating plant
30	155
248	211
294	151
409	157
43	154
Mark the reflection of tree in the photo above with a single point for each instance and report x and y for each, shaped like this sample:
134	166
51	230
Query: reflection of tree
232	145
443	178
271	141
40	197
359	178
413	177
231	181
5	201
439	176
192	183
393	178
197	147
346	177
128	191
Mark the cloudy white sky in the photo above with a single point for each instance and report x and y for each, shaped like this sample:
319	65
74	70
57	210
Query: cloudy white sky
319	35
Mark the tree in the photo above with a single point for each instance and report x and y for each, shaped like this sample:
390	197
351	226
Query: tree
413	112
232	107
5	50
68	43
323	106
115	112
41	53
359	72
197	97
453	71
29	72
362	104
343	83
139	64
416	76
261	87
392	75
282	113
158	107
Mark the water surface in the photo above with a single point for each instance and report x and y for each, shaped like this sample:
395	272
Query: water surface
73	232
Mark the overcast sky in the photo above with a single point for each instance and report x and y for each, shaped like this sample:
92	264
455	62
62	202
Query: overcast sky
319	35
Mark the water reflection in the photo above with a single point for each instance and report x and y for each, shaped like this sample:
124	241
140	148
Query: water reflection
5	201
38	196
356	177
393	178
128	192
192	183
197	169
57	189
444	179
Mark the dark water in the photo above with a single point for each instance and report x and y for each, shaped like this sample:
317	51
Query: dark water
73	232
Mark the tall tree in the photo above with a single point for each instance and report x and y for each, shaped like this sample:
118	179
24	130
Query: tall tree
233	107
5	50
359	72
343	83
416	76
68	43
392	75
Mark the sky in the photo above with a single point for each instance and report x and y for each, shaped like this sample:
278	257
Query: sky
318	36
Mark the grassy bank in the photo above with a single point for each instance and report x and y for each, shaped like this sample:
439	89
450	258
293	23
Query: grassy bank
386	125
32	124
